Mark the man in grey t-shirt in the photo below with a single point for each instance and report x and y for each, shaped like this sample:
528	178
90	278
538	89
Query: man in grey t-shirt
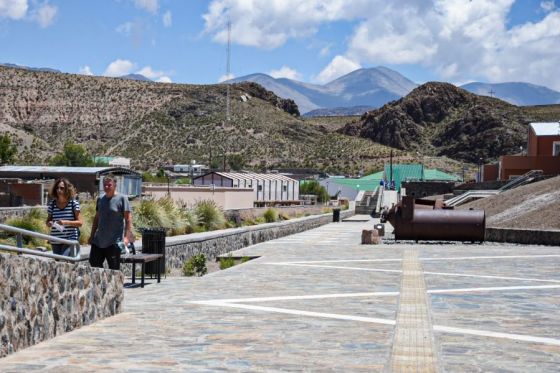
112	218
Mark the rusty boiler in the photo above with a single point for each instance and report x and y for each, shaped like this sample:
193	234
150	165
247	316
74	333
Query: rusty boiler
431	220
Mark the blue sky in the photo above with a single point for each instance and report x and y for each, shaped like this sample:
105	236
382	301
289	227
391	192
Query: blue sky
316	41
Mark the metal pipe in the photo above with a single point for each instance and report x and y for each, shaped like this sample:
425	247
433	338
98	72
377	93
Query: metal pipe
430	220
20	250
75	245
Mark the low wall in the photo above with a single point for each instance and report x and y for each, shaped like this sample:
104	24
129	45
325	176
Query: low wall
523	236
7	212
252	213
41	299
213	244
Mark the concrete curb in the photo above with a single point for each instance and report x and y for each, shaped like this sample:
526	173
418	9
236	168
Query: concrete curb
523	236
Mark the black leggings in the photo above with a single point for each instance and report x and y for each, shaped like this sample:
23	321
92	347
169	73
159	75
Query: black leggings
97	256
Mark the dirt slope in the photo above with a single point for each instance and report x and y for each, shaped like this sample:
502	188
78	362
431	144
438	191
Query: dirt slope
534	206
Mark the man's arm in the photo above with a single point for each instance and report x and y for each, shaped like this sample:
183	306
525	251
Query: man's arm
93	227
127	227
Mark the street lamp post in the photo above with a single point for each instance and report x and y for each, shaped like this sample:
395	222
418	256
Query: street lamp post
480	170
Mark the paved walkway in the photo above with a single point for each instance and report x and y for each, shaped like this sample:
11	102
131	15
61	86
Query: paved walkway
320	301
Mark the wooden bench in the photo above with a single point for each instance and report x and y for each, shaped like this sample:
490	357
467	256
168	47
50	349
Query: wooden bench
142	259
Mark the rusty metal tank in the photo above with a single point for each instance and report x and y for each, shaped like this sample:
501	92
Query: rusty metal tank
418	221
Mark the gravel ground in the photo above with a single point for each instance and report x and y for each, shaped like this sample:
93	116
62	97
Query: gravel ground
532	206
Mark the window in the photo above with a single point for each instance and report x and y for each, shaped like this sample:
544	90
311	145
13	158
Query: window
556	148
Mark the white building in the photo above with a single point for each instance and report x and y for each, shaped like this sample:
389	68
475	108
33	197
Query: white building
267	188
191	169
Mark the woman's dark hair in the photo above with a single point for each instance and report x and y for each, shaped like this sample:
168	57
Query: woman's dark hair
69	191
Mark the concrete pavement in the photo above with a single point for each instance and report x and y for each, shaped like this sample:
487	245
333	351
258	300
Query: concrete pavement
320	301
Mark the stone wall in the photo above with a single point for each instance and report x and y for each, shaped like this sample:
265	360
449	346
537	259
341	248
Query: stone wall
40	299
7	212
523	236
291	211
212	244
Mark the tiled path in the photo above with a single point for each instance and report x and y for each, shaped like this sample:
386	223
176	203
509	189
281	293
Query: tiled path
320	301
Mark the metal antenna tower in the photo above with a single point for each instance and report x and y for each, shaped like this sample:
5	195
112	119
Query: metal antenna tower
228	108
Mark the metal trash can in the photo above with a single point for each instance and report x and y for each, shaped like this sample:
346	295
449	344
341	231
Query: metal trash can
336	215
153	242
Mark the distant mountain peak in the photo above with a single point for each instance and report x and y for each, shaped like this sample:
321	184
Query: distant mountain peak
371	87
139	77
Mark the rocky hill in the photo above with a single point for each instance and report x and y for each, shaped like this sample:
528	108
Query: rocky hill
156	123
443	120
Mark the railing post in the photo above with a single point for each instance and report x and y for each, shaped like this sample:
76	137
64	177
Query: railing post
19	241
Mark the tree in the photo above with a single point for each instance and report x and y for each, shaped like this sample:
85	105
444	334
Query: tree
74	155
313	187
236	162
7	150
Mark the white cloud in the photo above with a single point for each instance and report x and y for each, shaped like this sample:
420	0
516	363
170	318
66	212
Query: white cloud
167	19
548	6
85	70
225	77
158	76
45	14
325	51
269	24
148	5
285	72
164	79
339	66
119	68
125	28
459	40
14	9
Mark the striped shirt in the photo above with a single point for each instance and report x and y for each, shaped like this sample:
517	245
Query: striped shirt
67	213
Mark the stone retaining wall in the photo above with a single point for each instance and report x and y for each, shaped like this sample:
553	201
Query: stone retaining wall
7	212
523	236
40	299
212	244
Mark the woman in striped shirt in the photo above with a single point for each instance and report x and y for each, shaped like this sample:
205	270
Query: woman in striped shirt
63	215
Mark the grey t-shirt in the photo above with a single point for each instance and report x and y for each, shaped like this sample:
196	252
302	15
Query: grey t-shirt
110	227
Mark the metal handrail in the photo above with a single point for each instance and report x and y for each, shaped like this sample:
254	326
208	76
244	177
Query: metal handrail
75	245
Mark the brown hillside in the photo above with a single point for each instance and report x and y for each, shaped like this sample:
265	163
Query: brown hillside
532	206
441	119
156	123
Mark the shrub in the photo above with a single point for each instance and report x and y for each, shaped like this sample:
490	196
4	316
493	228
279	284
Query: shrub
209	215
34	221
227	262
149	214
245	259
195	266
270	215
87	212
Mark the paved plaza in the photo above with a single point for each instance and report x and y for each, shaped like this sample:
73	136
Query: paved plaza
320	301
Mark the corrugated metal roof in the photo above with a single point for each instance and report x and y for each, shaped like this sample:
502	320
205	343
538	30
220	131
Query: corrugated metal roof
254	176
358	184
403	172
435	174
375	176
62	169
546	128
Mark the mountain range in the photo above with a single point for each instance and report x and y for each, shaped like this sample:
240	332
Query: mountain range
366	89
372	87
